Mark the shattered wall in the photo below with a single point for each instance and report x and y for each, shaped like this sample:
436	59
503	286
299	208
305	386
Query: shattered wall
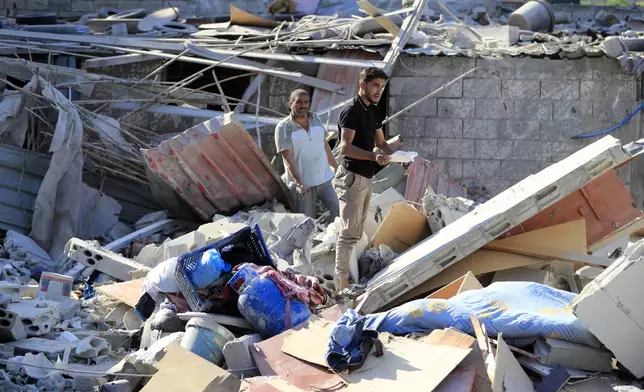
514	117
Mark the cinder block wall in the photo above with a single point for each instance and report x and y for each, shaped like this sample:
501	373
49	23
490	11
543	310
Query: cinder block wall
513	117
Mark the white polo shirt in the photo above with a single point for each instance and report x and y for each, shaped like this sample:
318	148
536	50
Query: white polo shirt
308	148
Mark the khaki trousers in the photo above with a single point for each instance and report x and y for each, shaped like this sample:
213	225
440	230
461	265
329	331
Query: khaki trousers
354	193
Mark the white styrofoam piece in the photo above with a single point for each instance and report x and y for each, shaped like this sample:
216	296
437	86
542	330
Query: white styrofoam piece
403	156
610	307
379	208
485	223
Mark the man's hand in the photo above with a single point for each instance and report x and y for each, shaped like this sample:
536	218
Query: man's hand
396	144
382	159
301	190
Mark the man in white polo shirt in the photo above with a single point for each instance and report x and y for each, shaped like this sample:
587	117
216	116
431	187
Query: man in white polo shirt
310	166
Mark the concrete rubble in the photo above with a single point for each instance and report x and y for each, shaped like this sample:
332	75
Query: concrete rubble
185	267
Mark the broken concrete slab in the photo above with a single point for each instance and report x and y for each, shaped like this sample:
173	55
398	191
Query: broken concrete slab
51	348
555	352
102	260
119	244
490	220
610	307
238	356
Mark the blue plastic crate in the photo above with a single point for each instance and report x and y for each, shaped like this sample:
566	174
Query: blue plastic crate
250	237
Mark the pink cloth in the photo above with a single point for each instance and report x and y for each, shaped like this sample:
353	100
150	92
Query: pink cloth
293	285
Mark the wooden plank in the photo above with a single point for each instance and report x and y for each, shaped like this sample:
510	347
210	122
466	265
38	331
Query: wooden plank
117	60
569	236
383	21
241	17
127	292
548	253
408	28
635	227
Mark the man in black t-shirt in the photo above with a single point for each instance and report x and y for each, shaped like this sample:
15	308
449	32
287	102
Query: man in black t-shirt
360	131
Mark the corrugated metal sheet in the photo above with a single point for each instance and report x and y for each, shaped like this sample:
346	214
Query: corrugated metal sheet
216	167
21	173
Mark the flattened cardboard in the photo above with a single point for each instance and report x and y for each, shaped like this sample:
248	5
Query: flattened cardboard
310	342
403	227
241	17
181	370
127	292
465	283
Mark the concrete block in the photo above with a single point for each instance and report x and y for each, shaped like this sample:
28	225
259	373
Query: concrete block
521	89
116	386
610	307
104	261
238	356
615	75
424	146
560	89
11	327
453	167
592	90
560	353
455	148
211	232
443	128
116	338
481	129
456	108
407	126
92	347
427	108
612	110
523	74
532	150
493	186
533	109
443	66
572	110
477	168
423	85
51	348
518	170
519	129
38	316
493	149
490	71
403	70
482	88
37	4
494	109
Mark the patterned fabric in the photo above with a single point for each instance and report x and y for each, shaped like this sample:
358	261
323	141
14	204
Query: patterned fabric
293	285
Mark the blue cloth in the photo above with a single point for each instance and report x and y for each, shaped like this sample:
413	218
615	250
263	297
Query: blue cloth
516	309
347	341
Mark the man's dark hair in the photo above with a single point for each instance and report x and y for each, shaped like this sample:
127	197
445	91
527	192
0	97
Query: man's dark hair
371	73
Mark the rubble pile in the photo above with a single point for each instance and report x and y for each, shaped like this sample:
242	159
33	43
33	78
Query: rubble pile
207	280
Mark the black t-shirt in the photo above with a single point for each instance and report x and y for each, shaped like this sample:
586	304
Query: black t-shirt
364	120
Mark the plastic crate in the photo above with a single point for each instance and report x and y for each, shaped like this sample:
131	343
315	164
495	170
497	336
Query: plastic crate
251	237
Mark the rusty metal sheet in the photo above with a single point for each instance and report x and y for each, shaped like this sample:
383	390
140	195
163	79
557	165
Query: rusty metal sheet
605	204
422	174
217	167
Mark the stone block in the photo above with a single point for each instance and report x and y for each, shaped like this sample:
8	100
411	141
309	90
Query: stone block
477	168
493	149
452	66
612	110
424	146
494	108
493	72
482	88
238	356
452	167
421	86
560	89
481	129
407	126
455	148
456	108
427	108
522	74
592	90
521	89
443	128
533	109
519	130
518	170
572	110
532	150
